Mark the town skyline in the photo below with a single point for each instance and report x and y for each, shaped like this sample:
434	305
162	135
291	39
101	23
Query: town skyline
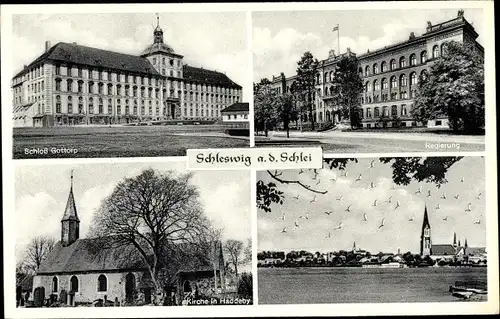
224	51
279	41
42	193
401	226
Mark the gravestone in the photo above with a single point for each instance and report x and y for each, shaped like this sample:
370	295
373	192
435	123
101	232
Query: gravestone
63	297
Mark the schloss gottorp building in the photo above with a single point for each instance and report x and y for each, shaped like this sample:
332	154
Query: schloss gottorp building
71	84
390	76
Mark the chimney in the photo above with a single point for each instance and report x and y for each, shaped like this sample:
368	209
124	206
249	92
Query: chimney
47	46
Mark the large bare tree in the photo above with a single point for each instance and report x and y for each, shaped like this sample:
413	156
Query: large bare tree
234	248
37	250
160	216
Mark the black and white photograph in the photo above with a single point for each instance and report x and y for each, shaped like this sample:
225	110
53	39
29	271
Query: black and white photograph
370	81
128	84
373	230
132	234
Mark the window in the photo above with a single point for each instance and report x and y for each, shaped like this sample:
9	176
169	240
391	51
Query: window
91	105
58	69
403	80
413	78
367	70
384	66
376	112
369	112
102	283
393	64
99	74
110	106
423	57
438	123
424	74
101	88
376	85
70	105
110	89
413	60
402	62
443	49
80	105
375	68
80	72
58	104
435	52
135	91
58	84
70	85
394	82
404	111
101	107
73	284
385	111
154	60
55	284
90	74
162	60
384	84
80	86
171	62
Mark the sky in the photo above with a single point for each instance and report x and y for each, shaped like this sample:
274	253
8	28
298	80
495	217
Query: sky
398	231
41	193
212	40
280	38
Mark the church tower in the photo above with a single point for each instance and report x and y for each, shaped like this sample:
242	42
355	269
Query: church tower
70	224
425	238
455	240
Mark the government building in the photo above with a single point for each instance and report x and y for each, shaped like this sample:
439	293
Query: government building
390	76
71	84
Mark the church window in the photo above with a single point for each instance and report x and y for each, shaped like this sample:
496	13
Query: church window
55	284
435	51
73	284
102	283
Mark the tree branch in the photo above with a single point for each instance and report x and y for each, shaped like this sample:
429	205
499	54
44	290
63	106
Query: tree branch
307	187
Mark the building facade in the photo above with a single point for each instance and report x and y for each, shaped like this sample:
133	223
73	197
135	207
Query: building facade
390	76
71	84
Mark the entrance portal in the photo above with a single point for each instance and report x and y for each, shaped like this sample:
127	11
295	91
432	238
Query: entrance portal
129	287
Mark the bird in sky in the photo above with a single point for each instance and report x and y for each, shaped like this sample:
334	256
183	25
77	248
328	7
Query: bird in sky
304	217
371	164
282	217
411	219
283	230
456	196
339	226
333	179
372	185
443	196
375	202
390	199
397	205
438	207
329	213
468	207
313	200
429	193
319	181
478	221
296	224
328	236
478	196
348	209
359	178
314	177
345	173
419	190
340	197
382	224
301	171
445	218
462	179
296	197
364	217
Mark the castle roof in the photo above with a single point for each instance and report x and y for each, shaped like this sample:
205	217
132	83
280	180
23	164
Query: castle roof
200	75
236	107
73	53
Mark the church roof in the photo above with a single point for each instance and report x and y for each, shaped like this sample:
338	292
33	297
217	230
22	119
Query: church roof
70	211
78	54
205	76
443	250
236	107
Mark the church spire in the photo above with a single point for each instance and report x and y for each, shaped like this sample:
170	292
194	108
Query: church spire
425	237
465	244
158	32
70	223
454	239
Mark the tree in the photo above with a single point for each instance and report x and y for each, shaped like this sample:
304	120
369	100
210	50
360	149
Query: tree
37	250
160	218
306	80
404	170
347	86
247	252
265	115
453	88
234	249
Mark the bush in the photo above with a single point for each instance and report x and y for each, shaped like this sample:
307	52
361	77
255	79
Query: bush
245	286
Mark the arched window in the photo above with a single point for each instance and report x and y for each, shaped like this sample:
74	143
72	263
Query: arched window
413	78
394	110
435	52
91	105
73	284
424	74
393	64
368	87
58	104
326	78
384	83
383	66
102	283
443	49
375	68
376	85
403	80
360	72
413	60
367	70
331	76
423	56
331	90
55	284
394	82
402	62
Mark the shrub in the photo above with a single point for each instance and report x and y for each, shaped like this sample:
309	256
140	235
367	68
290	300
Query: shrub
245	286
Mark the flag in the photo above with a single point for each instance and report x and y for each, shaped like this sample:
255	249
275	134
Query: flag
335	28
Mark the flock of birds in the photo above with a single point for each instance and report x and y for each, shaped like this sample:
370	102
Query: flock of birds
395	205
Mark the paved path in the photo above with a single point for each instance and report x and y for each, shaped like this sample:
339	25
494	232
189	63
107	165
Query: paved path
375	142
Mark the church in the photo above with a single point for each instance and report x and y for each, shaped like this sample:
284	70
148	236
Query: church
71	84
445	252
79	271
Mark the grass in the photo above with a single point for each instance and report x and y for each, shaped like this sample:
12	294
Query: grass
130	141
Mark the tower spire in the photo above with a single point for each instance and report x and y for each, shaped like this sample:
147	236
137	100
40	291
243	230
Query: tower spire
454	239
157	20
70	223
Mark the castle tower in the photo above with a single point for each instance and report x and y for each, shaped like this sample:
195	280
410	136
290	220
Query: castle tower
70	224
158	32
425	237
354	247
